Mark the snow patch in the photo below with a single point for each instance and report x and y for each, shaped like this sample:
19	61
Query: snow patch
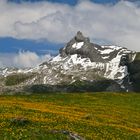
45	80
109	49
77	45
133	57
105	57
57	58
106	51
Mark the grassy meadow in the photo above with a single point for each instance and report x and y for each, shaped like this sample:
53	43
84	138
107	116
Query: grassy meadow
93	116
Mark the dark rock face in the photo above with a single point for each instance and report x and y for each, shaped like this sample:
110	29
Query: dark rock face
114	87
77	86
79	37
134	70
88	50
124	60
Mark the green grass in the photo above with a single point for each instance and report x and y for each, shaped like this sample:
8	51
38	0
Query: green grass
15	79
137	56
98	116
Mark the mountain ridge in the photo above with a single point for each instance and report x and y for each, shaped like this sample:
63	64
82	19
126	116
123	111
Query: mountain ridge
89	63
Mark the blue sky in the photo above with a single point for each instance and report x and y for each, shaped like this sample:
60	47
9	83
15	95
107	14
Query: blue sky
15	45
9	44
71	2
43	26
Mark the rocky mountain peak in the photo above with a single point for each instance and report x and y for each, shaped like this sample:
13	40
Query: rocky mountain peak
81	46
81	38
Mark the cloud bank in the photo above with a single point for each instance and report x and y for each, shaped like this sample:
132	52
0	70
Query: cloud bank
22	59
118	24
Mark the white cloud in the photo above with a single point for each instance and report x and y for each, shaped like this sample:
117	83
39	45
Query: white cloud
6	59
22	59
119	23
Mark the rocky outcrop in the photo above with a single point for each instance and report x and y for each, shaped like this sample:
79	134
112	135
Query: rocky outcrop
134	72
87	50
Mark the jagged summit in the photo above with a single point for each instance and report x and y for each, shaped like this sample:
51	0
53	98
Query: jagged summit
82	46
80	38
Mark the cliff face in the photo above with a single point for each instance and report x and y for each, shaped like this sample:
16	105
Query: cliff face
85	66
134	70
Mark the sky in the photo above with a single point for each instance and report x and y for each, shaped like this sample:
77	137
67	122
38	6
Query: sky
32	31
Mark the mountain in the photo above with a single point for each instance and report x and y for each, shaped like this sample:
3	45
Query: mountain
80	66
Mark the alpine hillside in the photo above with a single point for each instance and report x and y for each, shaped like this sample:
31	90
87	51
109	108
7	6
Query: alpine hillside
79	66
